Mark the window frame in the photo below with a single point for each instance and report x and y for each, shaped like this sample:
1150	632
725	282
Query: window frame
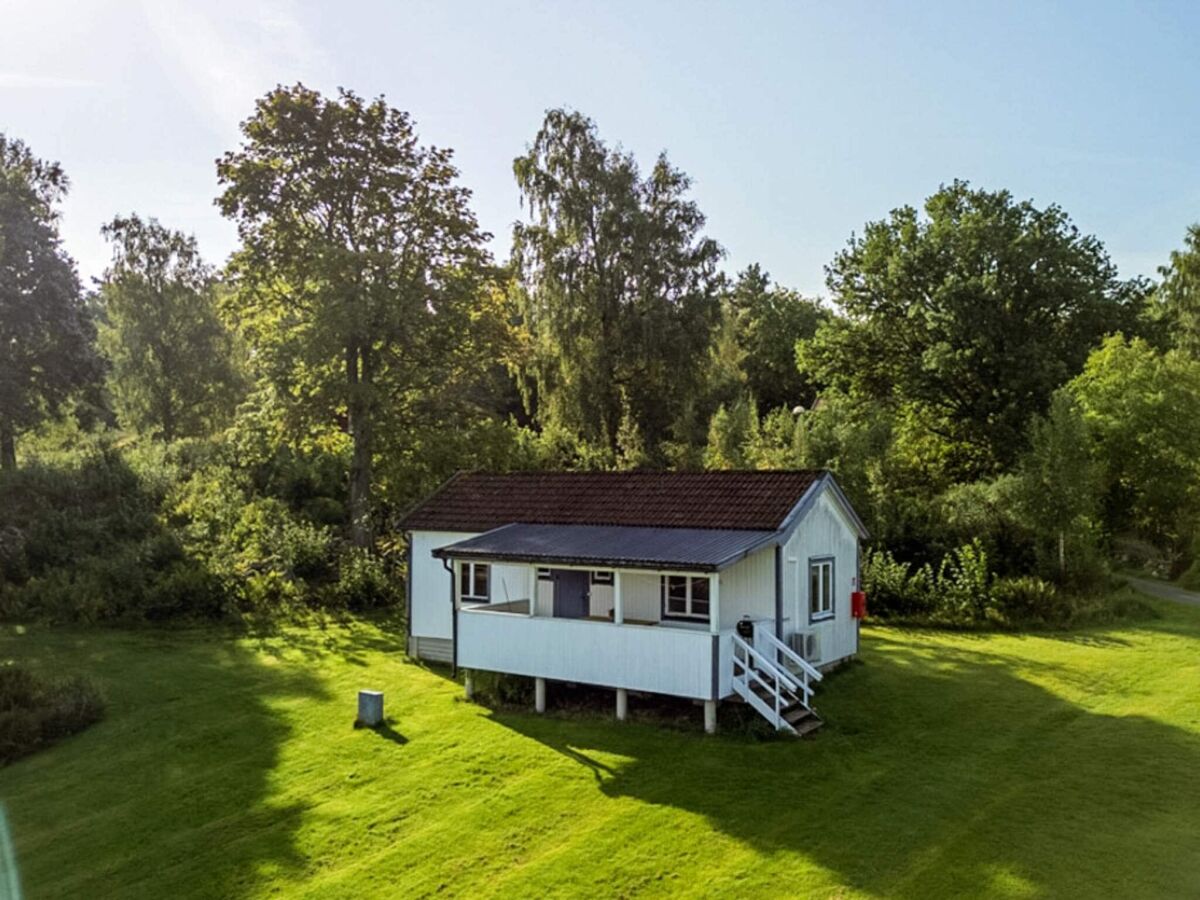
544	574
689	598
828	610
474	568
604	576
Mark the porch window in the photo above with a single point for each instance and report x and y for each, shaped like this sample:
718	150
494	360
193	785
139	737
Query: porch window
602	578
544	575
473	582
820	588
685	597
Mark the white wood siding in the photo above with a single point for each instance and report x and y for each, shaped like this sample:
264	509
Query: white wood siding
431	584
824	531
748	588
658	659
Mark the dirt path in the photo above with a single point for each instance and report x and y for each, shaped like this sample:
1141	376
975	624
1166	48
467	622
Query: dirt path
1167	591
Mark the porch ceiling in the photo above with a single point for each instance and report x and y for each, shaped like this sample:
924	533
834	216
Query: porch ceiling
611	546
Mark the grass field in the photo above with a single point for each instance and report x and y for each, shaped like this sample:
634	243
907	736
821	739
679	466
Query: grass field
951	764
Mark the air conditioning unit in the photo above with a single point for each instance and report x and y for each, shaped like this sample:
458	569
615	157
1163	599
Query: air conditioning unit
807	645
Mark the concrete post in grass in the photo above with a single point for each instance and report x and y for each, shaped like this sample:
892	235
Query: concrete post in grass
539	695
710	716
468	685
622	704
370	708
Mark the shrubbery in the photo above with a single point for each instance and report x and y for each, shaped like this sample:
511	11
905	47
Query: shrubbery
963	591
187	530
35	712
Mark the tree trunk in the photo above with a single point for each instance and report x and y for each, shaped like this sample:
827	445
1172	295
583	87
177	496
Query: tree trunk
8	445
358	373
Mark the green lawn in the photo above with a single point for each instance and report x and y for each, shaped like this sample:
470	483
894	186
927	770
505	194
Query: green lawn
951	764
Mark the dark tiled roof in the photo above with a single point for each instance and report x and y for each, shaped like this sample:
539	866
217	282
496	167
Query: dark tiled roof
699	549
478	501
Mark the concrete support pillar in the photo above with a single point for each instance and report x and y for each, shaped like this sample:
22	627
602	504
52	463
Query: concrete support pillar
710	716
714	603
468	684
622	704
539	695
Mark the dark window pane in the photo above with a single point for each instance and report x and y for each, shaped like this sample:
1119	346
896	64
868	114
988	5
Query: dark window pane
814	589
699	607
464	581
700	591
481	580
827	587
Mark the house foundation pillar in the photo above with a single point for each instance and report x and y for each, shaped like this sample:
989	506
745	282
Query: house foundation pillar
622	704
710	716
468	684
539	695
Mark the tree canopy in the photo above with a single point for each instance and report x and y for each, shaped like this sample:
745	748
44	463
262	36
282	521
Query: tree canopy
361	266
171	367
768	320
970	316
1178	296
46	333
617	286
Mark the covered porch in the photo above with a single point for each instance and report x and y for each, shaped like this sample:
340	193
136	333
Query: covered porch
633	609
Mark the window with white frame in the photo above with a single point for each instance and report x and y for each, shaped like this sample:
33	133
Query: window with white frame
820	588
473	582
685	597
602	578
545	575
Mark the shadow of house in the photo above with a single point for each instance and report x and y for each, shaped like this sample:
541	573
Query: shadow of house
944	773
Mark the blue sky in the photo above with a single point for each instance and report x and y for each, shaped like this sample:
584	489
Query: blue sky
797	121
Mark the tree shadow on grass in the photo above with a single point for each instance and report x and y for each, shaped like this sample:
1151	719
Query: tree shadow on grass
172	794
937	774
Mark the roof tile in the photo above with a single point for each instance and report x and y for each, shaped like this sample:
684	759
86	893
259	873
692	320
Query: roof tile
480	501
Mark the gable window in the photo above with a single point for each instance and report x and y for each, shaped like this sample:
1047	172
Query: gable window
473	582
685	597
820	589
602	578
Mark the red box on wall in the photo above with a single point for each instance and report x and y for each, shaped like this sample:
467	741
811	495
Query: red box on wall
858	604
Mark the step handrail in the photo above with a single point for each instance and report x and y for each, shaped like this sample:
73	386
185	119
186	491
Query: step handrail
764	662
784	680
777	689
803	664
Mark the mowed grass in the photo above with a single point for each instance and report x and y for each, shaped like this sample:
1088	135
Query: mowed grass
951	764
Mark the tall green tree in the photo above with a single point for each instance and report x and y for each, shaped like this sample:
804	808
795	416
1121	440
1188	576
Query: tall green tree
1143	410
617	285
1177	299
171	361
1058	491
46	333
768	320
361	270
970	316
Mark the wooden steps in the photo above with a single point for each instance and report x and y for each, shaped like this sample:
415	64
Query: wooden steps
800	718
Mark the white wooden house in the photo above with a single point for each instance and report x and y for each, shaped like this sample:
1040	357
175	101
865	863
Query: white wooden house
704	585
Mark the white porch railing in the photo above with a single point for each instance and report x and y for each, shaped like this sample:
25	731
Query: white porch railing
656	658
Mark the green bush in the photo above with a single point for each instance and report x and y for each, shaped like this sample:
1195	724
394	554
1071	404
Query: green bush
895	589
1028	598
363	582
35	712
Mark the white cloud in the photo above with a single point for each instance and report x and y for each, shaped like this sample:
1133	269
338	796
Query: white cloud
230	53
